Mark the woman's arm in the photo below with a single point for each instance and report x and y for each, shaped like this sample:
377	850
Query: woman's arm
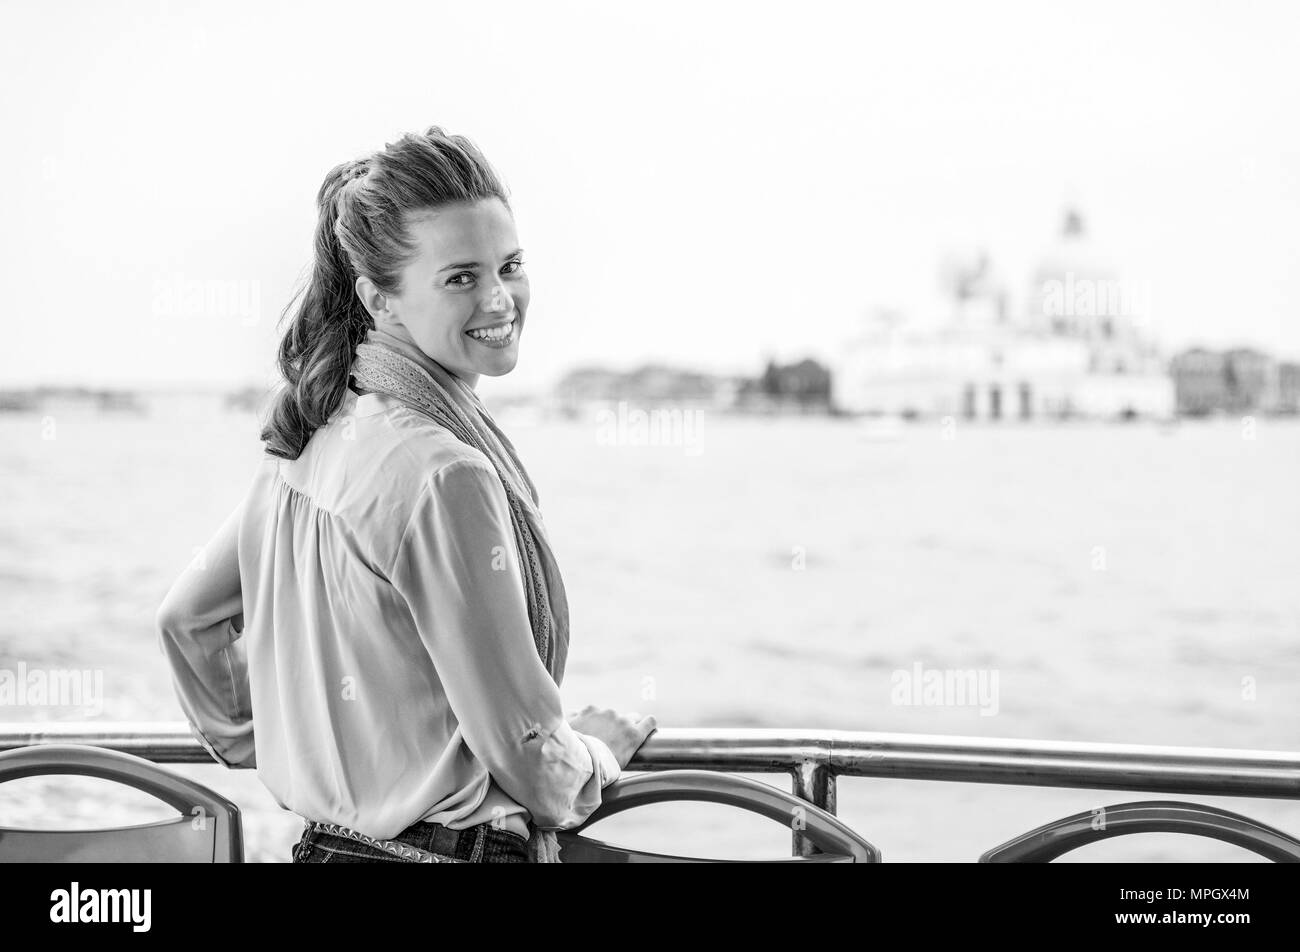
199	627
458	570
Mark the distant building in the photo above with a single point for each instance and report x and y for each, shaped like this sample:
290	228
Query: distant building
1078	349
804	386
1252	380
59	399
585	384
1200	381
18	401
651	384
1288	388
1241	380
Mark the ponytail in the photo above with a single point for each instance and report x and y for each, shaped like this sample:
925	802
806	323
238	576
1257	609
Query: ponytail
316	352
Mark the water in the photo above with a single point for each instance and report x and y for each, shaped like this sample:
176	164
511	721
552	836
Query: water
1126	584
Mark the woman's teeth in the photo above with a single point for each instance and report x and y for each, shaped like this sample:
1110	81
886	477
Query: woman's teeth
496	333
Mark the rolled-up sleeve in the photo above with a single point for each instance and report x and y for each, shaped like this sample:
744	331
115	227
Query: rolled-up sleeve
458	570
199	624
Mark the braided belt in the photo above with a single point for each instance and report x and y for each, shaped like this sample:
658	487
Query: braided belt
404	851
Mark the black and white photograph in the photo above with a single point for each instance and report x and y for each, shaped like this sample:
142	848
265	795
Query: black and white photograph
674	433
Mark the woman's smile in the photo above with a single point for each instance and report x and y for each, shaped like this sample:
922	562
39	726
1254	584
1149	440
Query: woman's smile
497	336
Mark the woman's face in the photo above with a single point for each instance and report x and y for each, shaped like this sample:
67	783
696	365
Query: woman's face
467	276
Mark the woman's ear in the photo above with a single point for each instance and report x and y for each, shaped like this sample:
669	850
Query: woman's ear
373	300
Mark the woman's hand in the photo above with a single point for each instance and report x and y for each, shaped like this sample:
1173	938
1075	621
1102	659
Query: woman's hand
622	733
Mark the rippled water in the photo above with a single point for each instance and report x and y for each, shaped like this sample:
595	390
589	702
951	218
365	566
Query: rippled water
1124	584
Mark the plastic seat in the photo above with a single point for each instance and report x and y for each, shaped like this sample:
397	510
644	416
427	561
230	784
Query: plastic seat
1054	839
838	843
208	831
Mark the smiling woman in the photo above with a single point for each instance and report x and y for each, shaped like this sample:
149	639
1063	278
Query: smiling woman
381	627
418	241
469	313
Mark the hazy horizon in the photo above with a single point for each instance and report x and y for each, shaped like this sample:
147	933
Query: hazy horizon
737	184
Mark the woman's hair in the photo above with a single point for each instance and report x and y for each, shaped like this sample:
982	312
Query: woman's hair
362	230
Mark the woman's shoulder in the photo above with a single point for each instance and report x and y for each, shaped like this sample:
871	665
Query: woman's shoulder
428	447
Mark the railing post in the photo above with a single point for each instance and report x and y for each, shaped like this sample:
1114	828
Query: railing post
814	782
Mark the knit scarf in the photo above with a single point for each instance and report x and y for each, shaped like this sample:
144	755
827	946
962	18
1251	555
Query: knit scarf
381	367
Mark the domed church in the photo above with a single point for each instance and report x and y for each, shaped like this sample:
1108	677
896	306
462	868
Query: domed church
1080	347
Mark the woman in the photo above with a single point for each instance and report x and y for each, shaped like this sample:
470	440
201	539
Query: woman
380	627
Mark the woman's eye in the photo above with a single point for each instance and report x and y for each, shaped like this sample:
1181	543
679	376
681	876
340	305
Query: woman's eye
455	278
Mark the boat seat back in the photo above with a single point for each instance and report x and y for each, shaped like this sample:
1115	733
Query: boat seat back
1052	840
208	830
837	842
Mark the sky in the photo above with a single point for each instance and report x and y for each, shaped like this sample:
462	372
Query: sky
710	184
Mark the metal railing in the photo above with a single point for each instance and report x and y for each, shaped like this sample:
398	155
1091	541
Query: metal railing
814	759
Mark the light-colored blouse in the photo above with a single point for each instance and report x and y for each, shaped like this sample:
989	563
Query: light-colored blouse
357	630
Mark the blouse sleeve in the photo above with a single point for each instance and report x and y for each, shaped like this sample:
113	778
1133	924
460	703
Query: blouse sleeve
200	623
459	572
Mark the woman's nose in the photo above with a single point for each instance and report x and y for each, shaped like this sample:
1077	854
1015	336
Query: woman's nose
499	301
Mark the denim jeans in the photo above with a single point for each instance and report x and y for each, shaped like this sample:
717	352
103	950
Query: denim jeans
483	843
